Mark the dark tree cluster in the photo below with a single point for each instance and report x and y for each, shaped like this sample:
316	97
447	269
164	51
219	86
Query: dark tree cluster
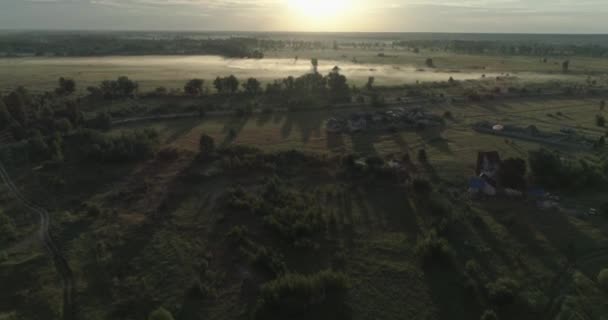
333	86
228	84
94	44
294	296
94	146
25	115
552	171
194	87
122	87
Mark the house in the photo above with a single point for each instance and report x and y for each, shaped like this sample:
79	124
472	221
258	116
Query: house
333	126
488	164
357	125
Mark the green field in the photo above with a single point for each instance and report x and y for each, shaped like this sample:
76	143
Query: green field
453	149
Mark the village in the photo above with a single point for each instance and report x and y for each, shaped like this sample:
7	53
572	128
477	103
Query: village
399	118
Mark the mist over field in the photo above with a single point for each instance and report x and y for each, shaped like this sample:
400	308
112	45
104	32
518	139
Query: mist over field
172	71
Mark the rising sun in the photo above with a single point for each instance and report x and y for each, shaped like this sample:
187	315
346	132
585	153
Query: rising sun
318	9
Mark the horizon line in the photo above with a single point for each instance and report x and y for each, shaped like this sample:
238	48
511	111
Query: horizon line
294	32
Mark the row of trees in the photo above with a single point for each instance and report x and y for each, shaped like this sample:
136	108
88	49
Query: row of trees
333	84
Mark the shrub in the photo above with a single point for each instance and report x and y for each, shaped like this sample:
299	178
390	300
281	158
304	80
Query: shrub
269	261
160	314
432	249
296	296
194	87
422	186
422	156
602	279
130	146
489	315
206	145
103	121
472	268
8	231
503	291
439	206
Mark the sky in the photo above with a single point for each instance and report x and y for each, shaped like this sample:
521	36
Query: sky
506	16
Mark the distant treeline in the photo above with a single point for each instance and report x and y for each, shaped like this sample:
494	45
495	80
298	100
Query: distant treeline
507	48
75	45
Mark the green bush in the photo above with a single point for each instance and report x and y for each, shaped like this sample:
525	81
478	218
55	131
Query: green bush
295	296
602	279
160	314
206	145
129	146
8	231
422	186
489	315
503	291
432	249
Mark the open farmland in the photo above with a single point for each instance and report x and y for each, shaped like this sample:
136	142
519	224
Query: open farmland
419	180
452	149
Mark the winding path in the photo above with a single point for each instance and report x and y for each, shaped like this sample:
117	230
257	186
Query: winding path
61	264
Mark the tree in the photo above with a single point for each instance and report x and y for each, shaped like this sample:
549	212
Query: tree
252	86
5	116
512	173
120	88
194	87
602	279
566	66
37	147
232	83
62	125
489	315
370	83
160	314
8	232
16	102
338	88
218	83
315	65
66	86
229	84
429	63
206	144
422	156
102	121
422	186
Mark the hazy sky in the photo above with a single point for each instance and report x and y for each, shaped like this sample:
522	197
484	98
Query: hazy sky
528	16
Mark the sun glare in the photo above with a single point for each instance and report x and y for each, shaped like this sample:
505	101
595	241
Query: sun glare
318	9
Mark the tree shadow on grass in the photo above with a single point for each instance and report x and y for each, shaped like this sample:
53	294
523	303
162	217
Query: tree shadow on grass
308	123
184	128
391	208
232	128
452	299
